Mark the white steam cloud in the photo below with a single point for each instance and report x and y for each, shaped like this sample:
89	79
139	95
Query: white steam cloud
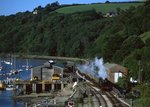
95	68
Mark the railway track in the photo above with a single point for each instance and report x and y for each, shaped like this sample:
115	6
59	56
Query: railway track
99	97
112	101
91	97
96	99
115	102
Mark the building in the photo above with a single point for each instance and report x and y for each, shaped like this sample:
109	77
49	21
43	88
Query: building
110	14
115	71
44	78
42	72
35	12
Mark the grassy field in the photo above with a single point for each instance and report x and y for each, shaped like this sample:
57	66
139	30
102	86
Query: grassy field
98	7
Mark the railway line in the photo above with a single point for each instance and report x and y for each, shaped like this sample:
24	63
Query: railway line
90	96
102	98
115	101
99	97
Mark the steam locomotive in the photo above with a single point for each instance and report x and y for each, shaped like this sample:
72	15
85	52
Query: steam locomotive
104	84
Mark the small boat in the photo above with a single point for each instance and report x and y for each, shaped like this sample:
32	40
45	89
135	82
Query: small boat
8	63
27	66
1	86
9	87
1	68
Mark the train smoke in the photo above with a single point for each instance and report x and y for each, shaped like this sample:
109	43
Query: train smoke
95	68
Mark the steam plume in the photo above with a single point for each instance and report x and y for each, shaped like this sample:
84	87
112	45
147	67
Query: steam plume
95	68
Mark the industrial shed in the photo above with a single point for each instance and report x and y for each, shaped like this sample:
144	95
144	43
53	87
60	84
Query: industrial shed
115	71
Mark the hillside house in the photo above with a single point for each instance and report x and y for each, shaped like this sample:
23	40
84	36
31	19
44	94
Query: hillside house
110	14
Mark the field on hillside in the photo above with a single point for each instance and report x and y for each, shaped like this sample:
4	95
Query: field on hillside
98	7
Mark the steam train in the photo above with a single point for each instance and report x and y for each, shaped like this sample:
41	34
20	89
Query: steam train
104	84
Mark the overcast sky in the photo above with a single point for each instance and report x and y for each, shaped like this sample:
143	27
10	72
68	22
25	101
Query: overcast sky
8	7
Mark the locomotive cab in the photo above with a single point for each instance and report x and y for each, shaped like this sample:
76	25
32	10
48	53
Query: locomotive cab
105	85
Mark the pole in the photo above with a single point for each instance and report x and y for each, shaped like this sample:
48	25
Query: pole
131	102
139	75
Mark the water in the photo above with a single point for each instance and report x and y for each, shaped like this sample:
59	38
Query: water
19	64
6	99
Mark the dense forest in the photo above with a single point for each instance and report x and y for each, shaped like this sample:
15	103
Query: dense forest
123	39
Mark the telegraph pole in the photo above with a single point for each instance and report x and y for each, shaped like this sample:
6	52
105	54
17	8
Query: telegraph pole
139	74
140	78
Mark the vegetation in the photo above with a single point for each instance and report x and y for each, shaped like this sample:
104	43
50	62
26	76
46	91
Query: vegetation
143	101
122	82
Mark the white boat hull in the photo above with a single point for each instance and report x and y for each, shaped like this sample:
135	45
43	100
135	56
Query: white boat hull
9	89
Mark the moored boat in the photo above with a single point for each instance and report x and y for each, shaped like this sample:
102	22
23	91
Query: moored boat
7	62
1	86
27	66
1	67
9	87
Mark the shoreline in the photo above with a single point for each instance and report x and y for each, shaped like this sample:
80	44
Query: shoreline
44	57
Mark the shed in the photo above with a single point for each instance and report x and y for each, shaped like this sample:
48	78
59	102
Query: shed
115	71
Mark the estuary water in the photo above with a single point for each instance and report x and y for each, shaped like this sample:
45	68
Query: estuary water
18	64
6	100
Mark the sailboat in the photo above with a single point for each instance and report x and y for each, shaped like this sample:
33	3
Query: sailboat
1	86
1	65
9	85
27	67
8	62
13	71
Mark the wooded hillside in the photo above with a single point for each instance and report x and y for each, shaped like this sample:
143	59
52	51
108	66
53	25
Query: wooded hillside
81	34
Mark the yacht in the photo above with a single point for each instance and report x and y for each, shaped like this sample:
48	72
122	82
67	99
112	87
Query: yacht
27	66
1	86
1	68
9	87
8	63
1	65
